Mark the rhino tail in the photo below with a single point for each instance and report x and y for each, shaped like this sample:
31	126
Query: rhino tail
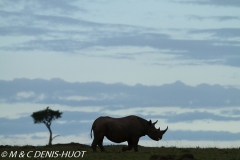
91	134
92	129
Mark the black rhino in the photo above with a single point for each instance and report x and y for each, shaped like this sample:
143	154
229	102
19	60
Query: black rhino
129	129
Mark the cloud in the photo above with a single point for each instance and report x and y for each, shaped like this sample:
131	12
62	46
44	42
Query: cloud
222	3
223	52
74	123
190	144
202	135
68	33
191	116
176	114
194	118
10	126
182	48
20	23
203	109
192	124
203	131
27	109
38	6
219	33
24	95
218	18
100	94
41	138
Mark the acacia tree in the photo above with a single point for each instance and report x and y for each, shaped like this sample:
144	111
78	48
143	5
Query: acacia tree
46	116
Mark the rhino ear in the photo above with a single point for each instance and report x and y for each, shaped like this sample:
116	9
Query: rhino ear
155	122
150	122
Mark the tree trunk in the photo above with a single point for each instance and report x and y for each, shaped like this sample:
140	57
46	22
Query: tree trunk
50	137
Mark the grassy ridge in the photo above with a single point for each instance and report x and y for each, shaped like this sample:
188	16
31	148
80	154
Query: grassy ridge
114	152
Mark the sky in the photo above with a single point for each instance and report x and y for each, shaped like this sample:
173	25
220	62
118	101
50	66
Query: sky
175	61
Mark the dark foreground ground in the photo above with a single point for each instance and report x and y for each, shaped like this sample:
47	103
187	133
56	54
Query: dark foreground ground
113	152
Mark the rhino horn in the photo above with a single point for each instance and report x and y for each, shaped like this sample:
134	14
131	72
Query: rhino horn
155	122
165	130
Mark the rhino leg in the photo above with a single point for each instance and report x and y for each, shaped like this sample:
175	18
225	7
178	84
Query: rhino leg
131	144
129	147
135	147
135	144
98	140
100	144
94	145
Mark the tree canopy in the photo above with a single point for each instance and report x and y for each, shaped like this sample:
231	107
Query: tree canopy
46	116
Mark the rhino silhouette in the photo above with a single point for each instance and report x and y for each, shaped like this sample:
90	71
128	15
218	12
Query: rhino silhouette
118	130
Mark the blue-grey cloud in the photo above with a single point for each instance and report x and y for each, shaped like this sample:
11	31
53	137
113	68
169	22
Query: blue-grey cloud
201	136
22	125
222	3
233	112
25	125
218	18
24	21
191	116
223	52
61	7
10	128
220	33
57	91
45	34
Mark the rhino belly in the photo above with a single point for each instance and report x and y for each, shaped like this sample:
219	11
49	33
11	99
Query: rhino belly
117	138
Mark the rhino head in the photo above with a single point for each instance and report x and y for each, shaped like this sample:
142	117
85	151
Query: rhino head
153	133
